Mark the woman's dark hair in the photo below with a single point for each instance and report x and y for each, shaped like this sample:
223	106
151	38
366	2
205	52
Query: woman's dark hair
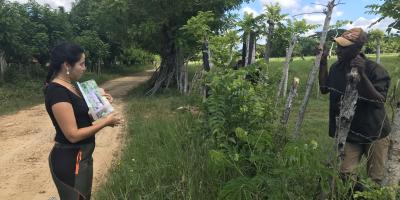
63	52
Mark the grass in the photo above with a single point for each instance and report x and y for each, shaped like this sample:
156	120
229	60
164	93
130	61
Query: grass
165	158
20	92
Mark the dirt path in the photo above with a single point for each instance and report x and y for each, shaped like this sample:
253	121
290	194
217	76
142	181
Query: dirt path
26	139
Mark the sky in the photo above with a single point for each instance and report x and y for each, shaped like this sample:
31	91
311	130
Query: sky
67	4
353	10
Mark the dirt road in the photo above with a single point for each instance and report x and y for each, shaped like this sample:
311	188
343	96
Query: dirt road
26	139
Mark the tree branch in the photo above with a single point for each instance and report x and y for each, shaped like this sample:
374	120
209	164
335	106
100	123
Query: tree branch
309	13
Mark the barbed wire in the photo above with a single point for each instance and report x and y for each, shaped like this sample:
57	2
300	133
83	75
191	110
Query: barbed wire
359	97
369	138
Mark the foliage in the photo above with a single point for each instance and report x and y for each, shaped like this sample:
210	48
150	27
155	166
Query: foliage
254	156
223	48
132	56
389	8
273	13
374	192
95	48
389	44
375	35
199	25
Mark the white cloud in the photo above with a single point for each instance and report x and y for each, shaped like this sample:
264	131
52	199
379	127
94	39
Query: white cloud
338	13
286	4
364	23
314	18
67	4
312	8
249	10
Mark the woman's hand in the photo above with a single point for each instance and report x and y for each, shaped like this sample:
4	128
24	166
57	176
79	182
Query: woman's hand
106	95
113	119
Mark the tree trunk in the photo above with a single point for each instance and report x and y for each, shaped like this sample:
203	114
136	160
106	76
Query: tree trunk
186	78
286	66
314	71
3	65
282	88
99	67
392	174
268	45
207	64
246	49
378	51
168	66
289	101
252	48
182	79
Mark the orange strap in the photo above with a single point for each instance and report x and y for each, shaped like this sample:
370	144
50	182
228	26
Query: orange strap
78	159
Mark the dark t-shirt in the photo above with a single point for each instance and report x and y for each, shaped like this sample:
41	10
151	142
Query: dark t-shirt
370	121
56	93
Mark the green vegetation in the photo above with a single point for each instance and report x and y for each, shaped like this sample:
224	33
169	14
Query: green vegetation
164	157
181	154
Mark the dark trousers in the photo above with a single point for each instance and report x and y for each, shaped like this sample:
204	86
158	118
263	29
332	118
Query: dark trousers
71	167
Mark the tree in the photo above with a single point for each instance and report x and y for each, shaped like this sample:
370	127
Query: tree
251	27
95	49
376	36
12	19
274	17
390	8
199	27
155	26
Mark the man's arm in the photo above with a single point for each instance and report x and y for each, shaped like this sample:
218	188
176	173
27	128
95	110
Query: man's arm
323	72
365	88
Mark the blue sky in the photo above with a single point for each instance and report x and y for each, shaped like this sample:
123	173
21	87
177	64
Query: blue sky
353	10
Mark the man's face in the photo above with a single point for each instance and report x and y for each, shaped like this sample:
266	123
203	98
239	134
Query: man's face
347	53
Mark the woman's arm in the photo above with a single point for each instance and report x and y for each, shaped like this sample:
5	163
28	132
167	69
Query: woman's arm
64	115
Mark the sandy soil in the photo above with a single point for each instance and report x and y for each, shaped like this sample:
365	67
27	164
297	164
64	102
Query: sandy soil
26	139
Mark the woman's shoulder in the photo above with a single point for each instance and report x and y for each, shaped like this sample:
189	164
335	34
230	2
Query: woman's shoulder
55	89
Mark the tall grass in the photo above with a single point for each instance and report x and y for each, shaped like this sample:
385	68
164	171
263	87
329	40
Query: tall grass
164	156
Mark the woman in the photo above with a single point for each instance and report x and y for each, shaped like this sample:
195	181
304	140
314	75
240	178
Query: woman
70	160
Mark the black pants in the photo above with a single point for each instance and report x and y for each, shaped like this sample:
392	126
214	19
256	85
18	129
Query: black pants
71	167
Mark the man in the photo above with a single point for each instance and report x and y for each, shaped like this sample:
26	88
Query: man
370	126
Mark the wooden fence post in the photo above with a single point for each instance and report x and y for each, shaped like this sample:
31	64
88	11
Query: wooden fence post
347	110
392	173
289	101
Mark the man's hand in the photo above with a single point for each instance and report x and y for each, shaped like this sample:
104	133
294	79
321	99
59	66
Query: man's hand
359	63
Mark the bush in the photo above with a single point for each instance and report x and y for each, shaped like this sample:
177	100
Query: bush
253	154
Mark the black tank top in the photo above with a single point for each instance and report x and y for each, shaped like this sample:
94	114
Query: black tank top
56	93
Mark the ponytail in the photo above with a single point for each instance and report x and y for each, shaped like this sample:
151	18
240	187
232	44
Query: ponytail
50	75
